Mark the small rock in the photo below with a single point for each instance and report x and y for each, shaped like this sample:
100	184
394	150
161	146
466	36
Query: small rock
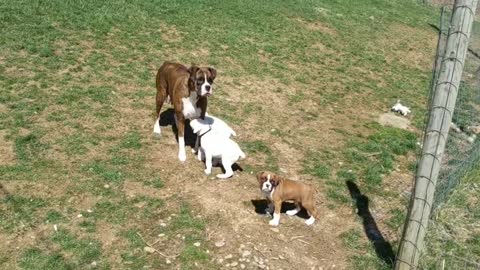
106	186
246	253
281	257
242	266
149	249
275	230
227	265
55	228
220	244
261	266
229	256
197	244
220	260
79	215
233	264
94	264
89	211
161	235
163	224
167	261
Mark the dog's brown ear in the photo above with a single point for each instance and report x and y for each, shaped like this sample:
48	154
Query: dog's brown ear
259	177
213	72
275	179
193	72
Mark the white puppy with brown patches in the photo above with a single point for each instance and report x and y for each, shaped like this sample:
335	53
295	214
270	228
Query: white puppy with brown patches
215	142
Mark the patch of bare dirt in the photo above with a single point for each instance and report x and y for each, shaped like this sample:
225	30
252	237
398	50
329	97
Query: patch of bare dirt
7	152
169	33
316	26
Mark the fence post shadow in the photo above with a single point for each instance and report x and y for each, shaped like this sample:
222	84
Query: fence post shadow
383	248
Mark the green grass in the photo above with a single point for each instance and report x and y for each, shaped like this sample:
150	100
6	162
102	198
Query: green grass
451	235
77	91
20	212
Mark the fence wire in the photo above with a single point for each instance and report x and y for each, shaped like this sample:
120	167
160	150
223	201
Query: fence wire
462	152
463	145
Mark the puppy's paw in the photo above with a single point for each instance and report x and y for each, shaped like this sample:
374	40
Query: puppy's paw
182	157
292	212
224	176
274	222
310	221
207	171
194	151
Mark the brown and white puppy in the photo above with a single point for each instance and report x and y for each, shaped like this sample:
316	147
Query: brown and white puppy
187	89
278	190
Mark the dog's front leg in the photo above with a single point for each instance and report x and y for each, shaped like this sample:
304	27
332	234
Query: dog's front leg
197	143
208	163
181	133
276	214
270	208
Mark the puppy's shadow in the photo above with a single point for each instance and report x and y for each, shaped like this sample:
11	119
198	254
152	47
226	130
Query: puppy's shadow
262	205
167	119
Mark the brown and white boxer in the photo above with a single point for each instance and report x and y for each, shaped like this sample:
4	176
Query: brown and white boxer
187	89
278	190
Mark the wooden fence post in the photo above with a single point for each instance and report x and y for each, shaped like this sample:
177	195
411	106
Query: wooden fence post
440	116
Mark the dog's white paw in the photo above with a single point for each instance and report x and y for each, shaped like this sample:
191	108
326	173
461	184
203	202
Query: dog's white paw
207	171
194	151
224	176
182	157
274	222
310	221
292	212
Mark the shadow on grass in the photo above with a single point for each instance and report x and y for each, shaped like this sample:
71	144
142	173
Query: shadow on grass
382	247
167	119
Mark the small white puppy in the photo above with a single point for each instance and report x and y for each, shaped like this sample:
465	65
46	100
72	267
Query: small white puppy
215	143
403	110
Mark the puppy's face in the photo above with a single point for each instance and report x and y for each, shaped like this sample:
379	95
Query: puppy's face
268	181
201	80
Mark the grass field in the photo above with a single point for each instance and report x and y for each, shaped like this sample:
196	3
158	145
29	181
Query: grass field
85	185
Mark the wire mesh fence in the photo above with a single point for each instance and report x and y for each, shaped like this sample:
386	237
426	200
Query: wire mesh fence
462	152
463	145
454	104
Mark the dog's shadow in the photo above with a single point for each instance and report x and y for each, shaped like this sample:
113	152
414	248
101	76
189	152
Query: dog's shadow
262	205
383	248
167	119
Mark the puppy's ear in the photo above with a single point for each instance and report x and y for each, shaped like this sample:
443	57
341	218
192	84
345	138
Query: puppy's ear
213	72
275	179
259	177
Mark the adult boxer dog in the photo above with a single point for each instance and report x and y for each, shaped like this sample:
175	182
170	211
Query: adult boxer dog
187	89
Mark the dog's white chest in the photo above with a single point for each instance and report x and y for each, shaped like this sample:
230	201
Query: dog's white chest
190	109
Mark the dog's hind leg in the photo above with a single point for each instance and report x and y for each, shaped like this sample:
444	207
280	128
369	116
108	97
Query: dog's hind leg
227	165
311	211
293	212
159	100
